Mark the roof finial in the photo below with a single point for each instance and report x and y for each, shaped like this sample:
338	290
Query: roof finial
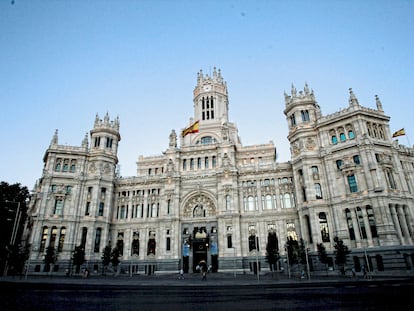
293	91
378	102
353	101
54	138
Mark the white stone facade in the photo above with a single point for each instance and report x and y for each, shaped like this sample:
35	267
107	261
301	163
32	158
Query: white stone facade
208	197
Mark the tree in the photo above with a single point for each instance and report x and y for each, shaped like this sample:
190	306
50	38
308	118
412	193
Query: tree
115	258
341	252
50	258
323	257
106	258
292	250
272	251
78	257
13	215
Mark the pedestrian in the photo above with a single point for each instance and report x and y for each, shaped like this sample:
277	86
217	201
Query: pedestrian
364	272
353	272
181	277
204	273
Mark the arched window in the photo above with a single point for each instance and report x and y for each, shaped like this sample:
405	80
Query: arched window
73	166
45	233
53	237
97	240
250	202
350	224
58	165
342	137
318	191
58	206
288	202
361	224
353	187
228	202
371	221
351	134
135	244
61	239
334	139
323	225
268	200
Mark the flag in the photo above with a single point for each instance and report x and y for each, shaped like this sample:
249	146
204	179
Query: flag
191	129
399	133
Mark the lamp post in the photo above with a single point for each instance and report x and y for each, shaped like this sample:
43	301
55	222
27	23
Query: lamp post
29	261
287	257
364	246
13	236
307	260
234	261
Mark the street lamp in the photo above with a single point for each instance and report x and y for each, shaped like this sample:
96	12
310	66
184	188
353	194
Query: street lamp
234	261
307	260
14	233
287	257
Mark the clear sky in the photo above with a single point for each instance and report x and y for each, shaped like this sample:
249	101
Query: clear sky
62	62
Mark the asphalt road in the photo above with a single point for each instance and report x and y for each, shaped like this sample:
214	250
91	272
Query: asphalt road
378	295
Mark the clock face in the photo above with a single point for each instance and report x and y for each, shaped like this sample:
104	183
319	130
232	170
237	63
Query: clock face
206	87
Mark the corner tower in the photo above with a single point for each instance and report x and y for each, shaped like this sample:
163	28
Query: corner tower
105	137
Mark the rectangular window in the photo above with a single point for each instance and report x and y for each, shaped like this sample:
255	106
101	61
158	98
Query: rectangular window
353	187
58	207
229	241
87	209
97	240
101	209
168	244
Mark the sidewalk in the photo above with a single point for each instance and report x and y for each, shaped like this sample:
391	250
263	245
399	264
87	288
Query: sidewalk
213	279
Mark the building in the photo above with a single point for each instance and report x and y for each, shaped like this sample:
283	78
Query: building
207	198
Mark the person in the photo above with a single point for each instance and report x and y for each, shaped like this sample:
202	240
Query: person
204	273
181	277
353	272
364	272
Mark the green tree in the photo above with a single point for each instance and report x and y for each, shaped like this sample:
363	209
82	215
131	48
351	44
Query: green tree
50	258
115	258
272	251
341	253
106	258
323	256
78	257
292	247
13	215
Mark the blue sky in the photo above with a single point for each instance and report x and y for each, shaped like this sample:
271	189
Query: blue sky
61	62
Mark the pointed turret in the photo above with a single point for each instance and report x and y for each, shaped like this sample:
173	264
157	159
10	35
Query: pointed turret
353	101
379	104
54	140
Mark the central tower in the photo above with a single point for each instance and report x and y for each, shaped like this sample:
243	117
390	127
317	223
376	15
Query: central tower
211	112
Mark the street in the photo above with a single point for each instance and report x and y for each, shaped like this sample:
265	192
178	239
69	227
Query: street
207	296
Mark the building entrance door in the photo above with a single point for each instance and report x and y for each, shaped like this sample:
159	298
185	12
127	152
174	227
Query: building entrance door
199	253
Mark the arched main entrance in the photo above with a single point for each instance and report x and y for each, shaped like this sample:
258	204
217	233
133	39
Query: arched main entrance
199	234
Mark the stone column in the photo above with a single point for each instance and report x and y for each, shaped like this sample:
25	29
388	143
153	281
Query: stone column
396	222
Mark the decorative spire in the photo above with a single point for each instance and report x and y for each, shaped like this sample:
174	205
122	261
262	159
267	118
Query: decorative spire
378	102
293	91
54	138
85	141
306	89
353	101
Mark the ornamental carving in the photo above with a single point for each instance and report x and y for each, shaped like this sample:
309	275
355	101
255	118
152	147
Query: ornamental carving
199	206
310	144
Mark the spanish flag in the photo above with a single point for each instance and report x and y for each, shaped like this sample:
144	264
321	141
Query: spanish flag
399	133
191	129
